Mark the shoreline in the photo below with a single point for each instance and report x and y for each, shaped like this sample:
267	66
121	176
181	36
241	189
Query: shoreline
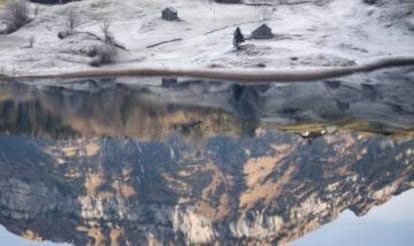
287	75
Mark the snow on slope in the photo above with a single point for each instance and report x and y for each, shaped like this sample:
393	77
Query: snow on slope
330	33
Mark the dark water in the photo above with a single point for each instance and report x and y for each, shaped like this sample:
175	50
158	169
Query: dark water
202	162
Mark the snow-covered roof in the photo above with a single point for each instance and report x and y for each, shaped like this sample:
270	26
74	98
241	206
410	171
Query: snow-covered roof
170	9
263	27
262	32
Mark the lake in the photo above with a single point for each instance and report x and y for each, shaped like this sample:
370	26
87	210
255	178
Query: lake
114	161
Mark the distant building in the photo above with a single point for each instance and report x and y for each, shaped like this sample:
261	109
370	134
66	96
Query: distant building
260	2
228	1
168	82
262	32
51	1
169	14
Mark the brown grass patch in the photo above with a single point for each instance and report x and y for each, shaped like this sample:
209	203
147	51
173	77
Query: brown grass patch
69	152
115	236
92	149
256	170
203	207
31	235
124	189
92	182
95	233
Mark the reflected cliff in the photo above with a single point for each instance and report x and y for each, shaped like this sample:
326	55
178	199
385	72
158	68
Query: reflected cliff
199	162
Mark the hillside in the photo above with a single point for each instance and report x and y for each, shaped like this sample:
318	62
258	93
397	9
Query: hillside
305	34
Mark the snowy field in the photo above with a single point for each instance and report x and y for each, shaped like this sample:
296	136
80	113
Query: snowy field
311	34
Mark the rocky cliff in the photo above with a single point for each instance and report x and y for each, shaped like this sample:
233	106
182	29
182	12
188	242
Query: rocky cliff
267	190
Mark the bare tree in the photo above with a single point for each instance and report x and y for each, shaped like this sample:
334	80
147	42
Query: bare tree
107	53
265	11
31	42
108	37
211	5
72	20
15	14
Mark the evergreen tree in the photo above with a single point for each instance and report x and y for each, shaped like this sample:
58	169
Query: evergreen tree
238	38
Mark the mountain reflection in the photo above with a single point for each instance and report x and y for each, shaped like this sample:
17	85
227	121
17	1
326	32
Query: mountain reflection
198	163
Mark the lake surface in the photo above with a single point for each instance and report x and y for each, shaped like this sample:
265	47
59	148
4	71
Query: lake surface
202	162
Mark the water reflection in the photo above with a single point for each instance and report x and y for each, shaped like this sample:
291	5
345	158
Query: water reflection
388	224
199	162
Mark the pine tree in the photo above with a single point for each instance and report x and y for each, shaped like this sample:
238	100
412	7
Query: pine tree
238	38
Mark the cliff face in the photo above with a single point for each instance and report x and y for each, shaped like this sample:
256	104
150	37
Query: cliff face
270	189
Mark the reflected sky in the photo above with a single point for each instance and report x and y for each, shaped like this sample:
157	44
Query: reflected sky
8	238
389	224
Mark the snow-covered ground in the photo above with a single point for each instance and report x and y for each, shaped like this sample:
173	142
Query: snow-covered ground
311	34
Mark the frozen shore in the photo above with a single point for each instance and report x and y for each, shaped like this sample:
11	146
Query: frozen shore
251	76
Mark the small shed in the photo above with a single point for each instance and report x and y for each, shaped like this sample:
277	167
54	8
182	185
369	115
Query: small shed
262	32
168	82
169	14
51	1
228	1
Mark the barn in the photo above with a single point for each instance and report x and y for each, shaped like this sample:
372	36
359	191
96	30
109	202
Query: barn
169	14
262	32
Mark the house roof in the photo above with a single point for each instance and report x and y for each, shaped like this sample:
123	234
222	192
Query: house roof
263	27
170	9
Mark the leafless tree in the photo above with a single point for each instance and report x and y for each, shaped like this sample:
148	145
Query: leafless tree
72	20
107	53
265	11
31	42
211	5
108	37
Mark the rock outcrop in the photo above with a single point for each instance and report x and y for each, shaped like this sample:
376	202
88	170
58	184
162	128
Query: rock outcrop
267	190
